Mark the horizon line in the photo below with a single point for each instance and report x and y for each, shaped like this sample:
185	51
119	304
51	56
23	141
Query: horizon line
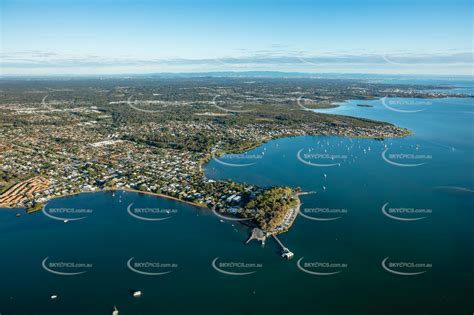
224	73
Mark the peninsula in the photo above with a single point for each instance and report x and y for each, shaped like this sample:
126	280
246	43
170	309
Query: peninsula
153	135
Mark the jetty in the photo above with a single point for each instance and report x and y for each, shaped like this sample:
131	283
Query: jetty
260	235
285	252
306	193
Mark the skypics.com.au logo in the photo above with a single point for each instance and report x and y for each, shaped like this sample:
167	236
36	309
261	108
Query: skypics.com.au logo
317	268
230	217
65	268
151	268
322	214
405	159
405	214
151	214
401	105
66	214
233	268
320	159
403	268
219	104
239	160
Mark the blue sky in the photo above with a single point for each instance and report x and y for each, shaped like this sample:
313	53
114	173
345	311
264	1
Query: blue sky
367	36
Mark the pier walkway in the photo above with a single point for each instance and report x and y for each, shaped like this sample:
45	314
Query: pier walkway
286	253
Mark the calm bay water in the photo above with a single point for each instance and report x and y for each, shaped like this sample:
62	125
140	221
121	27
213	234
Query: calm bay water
429	173
456	85
344	233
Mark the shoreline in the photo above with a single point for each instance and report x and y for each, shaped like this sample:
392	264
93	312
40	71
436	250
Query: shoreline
209	156
336	104
295	210
159	195
201	164
109	190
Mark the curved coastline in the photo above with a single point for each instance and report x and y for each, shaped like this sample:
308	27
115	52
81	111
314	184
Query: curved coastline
223	151
201	165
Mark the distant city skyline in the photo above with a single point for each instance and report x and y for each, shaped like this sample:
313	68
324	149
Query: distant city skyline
47	37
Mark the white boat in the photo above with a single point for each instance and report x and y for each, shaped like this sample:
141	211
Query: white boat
115	311
137	294
54	296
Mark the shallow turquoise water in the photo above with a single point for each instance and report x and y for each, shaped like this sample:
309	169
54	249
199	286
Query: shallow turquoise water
358	240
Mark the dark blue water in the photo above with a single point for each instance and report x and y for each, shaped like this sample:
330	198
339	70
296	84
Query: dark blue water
344	234
107	239
430	173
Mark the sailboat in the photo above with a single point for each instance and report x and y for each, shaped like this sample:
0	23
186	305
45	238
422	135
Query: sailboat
115	311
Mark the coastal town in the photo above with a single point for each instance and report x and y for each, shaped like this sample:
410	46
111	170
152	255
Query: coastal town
51	146
245	157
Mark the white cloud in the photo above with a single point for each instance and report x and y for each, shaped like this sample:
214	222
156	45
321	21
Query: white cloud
275	59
